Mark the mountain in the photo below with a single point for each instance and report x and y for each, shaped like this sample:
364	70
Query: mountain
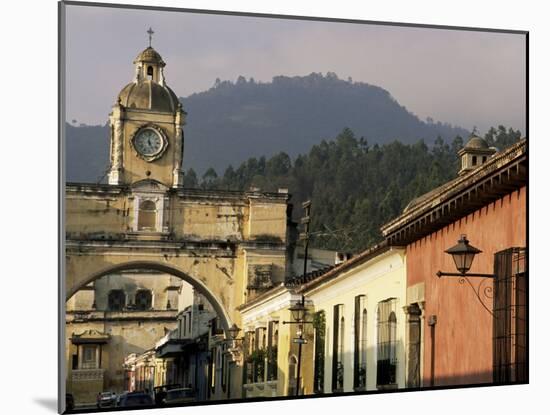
232	122
86	152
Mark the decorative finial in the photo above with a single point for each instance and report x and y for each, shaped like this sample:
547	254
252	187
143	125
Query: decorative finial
150	31
474	130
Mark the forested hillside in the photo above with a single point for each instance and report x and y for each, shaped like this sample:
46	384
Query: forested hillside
355	187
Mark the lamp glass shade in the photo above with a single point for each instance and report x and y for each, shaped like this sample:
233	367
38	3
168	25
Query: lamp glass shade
463	262
298	312
233	331
463	254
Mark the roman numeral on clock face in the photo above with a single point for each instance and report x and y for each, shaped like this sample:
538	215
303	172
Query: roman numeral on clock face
148	142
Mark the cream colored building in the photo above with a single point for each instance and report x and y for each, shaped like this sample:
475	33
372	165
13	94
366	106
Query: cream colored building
270	351
270	355
362	346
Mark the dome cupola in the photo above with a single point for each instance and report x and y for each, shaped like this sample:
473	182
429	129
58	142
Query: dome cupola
149	91
474	153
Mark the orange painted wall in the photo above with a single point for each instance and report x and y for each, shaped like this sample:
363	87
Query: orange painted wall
463	333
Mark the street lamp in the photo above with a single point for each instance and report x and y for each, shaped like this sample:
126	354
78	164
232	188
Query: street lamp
463	255
235	352
298	312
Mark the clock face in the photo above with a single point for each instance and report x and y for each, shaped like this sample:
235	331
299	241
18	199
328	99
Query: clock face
148	142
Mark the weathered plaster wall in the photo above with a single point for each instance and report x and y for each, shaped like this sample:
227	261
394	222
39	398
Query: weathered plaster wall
463	333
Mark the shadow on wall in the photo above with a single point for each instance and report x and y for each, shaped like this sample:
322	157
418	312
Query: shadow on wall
374	373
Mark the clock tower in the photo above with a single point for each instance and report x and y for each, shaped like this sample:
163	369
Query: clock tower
146	126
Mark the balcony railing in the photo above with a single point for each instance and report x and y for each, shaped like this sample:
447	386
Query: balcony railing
87	375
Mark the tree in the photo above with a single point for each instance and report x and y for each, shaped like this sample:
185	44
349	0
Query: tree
354	188
190	179
502	138
209	179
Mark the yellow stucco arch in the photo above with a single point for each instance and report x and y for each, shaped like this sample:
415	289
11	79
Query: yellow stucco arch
168	269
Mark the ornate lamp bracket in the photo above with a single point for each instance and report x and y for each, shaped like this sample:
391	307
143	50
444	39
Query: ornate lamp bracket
480	292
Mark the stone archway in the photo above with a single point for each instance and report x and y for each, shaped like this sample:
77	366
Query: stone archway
214	301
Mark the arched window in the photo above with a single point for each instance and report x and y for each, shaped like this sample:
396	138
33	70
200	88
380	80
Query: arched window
144	300
338	349
386	369
360	344
392	336
147	216
340	372
364	342
319	323
150	72
116	300
292	374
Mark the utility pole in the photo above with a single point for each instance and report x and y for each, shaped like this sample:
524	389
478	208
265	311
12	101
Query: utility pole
306	219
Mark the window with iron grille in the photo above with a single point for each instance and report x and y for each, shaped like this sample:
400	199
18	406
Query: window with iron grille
224	370
212	370
116	300
360	344
248	348
338	349
258	355
272	346
259	276
510	321
89	356
319	324
386	348
144	300
292	375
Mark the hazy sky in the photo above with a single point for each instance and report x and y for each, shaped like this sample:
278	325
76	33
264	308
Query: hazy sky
462	77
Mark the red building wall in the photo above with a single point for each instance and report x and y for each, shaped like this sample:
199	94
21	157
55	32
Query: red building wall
463	332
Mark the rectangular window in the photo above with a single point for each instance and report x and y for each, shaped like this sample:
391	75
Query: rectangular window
259	354
510	316
224	367
248	347
213	369
272	346
89	357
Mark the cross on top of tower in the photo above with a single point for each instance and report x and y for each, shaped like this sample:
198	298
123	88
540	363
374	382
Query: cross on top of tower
150	32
